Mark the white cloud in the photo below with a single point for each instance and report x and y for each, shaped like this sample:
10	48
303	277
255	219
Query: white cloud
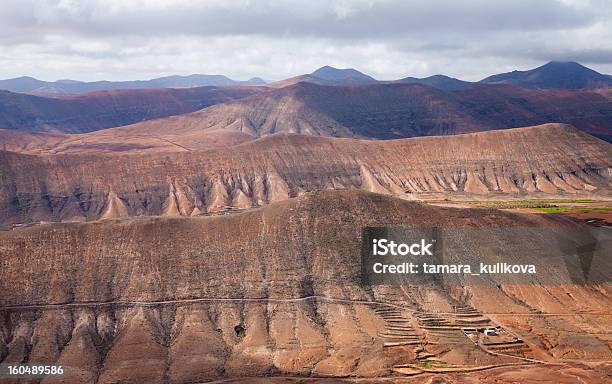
128	39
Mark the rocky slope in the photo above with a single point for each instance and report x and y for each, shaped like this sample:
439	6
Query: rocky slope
272	291
537	161
391	111
104	109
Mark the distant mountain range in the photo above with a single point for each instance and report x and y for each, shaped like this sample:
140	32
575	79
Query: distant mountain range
327	102
348	76
31	85
553	75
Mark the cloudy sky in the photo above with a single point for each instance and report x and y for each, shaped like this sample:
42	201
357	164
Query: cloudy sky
140	39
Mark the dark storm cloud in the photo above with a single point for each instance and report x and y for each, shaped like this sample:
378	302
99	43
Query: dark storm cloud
122	38
343	19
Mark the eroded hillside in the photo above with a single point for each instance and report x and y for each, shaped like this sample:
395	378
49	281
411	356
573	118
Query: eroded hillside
273	291
537	161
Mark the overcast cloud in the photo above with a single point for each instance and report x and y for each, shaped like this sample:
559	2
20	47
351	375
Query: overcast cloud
141	39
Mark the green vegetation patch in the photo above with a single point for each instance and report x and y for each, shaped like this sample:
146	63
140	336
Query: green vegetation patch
428	364
552	209
528	203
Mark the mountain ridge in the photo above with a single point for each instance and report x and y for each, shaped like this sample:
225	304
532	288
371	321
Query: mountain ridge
391	111
443	82
552	75
550	160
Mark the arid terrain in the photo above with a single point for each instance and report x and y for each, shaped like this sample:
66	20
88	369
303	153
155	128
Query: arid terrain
189	183
213	234
275	291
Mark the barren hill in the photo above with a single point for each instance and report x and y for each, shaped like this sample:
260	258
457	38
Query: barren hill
555	74
443	82
104	109
381	111
536	161
389	111
329	76
274	292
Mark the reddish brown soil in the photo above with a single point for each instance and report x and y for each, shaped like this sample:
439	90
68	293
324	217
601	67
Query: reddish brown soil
106	280
565	374
597	218
549	160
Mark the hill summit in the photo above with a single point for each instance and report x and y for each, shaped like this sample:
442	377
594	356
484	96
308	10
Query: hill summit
331	73
555	74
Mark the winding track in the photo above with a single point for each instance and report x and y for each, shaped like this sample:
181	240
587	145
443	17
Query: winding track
124	303
138	303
